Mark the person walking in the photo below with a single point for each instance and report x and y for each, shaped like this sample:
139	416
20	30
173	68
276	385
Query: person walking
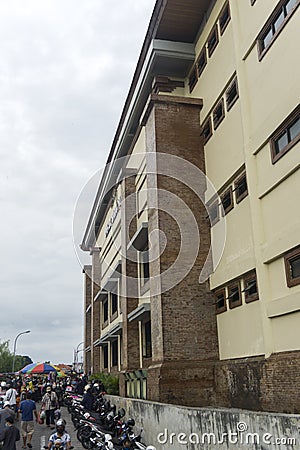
4	413
11	397
9	435
49	405
27	409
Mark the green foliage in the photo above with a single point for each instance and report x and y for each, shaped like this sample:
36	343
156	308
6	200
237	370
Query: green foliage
6	359
111	382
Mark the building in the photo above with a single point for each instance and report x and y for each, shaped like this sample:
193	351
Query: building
216	84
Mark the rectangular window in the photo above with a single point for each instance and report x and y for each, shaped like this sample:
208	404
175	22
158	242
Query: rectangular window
213	212
220	301
292	267
218	113
105	311
287	135
114	353
206	131
234	295
212	40
241	188
145	267
250	287
114	303
275	24
201	61
227	200
147	340
224	18
193	77
232	94
105	357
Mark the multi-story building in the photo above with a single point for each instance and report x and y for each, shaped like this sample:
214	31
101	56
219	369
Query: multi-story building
217	85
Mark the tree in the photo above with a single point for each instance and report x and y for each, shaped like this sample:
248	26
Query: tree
6	359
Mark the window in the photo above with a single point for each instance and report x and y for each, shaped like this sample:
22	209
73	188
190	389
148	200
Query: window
218	113
232	94
201	61
250	287
193	77
105	311
241	188
213	40
224	18
275	24
234	295
213	212
286	136
105	357
227	200
147	341
292	267
206	130
145	267
114	303
114	353
220	301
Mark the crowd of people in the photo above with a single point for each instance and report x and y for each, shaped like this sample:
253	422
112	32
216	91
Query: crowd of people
19	397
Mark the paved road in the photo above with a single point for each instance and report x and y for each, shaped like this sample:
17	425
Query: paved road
42	433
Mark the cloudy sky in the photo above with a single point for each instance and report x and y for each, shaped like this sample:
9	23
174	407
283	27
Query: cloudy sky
65	71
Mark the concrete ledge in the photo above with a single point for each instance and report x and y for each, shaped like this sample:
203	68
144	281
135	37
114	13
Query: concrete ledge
170	427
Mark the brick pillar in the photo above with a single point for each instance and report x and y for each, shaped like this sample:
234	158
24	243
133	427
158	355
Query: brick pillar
87	270
184	330
96	277
130	335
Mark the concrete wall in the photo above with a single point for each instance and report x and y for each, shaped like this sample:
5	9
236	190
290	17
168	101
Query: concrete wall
205	428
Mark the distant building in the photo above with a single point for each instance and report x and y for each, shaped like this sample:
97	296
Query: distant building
217	84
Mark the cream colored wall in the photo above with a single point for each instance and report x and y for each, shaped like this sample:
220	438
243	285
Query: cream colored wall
240	332
267	222
224	152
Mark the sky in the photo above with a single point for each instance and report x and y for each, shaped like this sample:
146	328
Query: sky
65	71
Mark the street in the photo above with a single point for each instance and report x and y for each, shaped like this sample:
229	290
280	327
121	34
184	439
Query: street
42	433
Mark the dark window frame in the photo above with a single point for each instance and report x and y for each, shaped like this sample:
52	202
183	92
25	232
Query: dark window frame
288	257
205	139
223	308
219	119
231	206
284	127
204	56
262	50
193	78
114	303
212	204
230	104
114	348
211	48
239	198
250	278
105	357
147	344
105	311
225	10
234	303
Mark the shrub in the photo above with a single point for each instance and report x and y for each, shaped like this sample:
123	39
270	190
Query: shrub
111	382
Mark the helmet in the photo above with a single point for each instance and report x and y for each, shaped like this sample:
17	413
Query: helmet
60	425
130	422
